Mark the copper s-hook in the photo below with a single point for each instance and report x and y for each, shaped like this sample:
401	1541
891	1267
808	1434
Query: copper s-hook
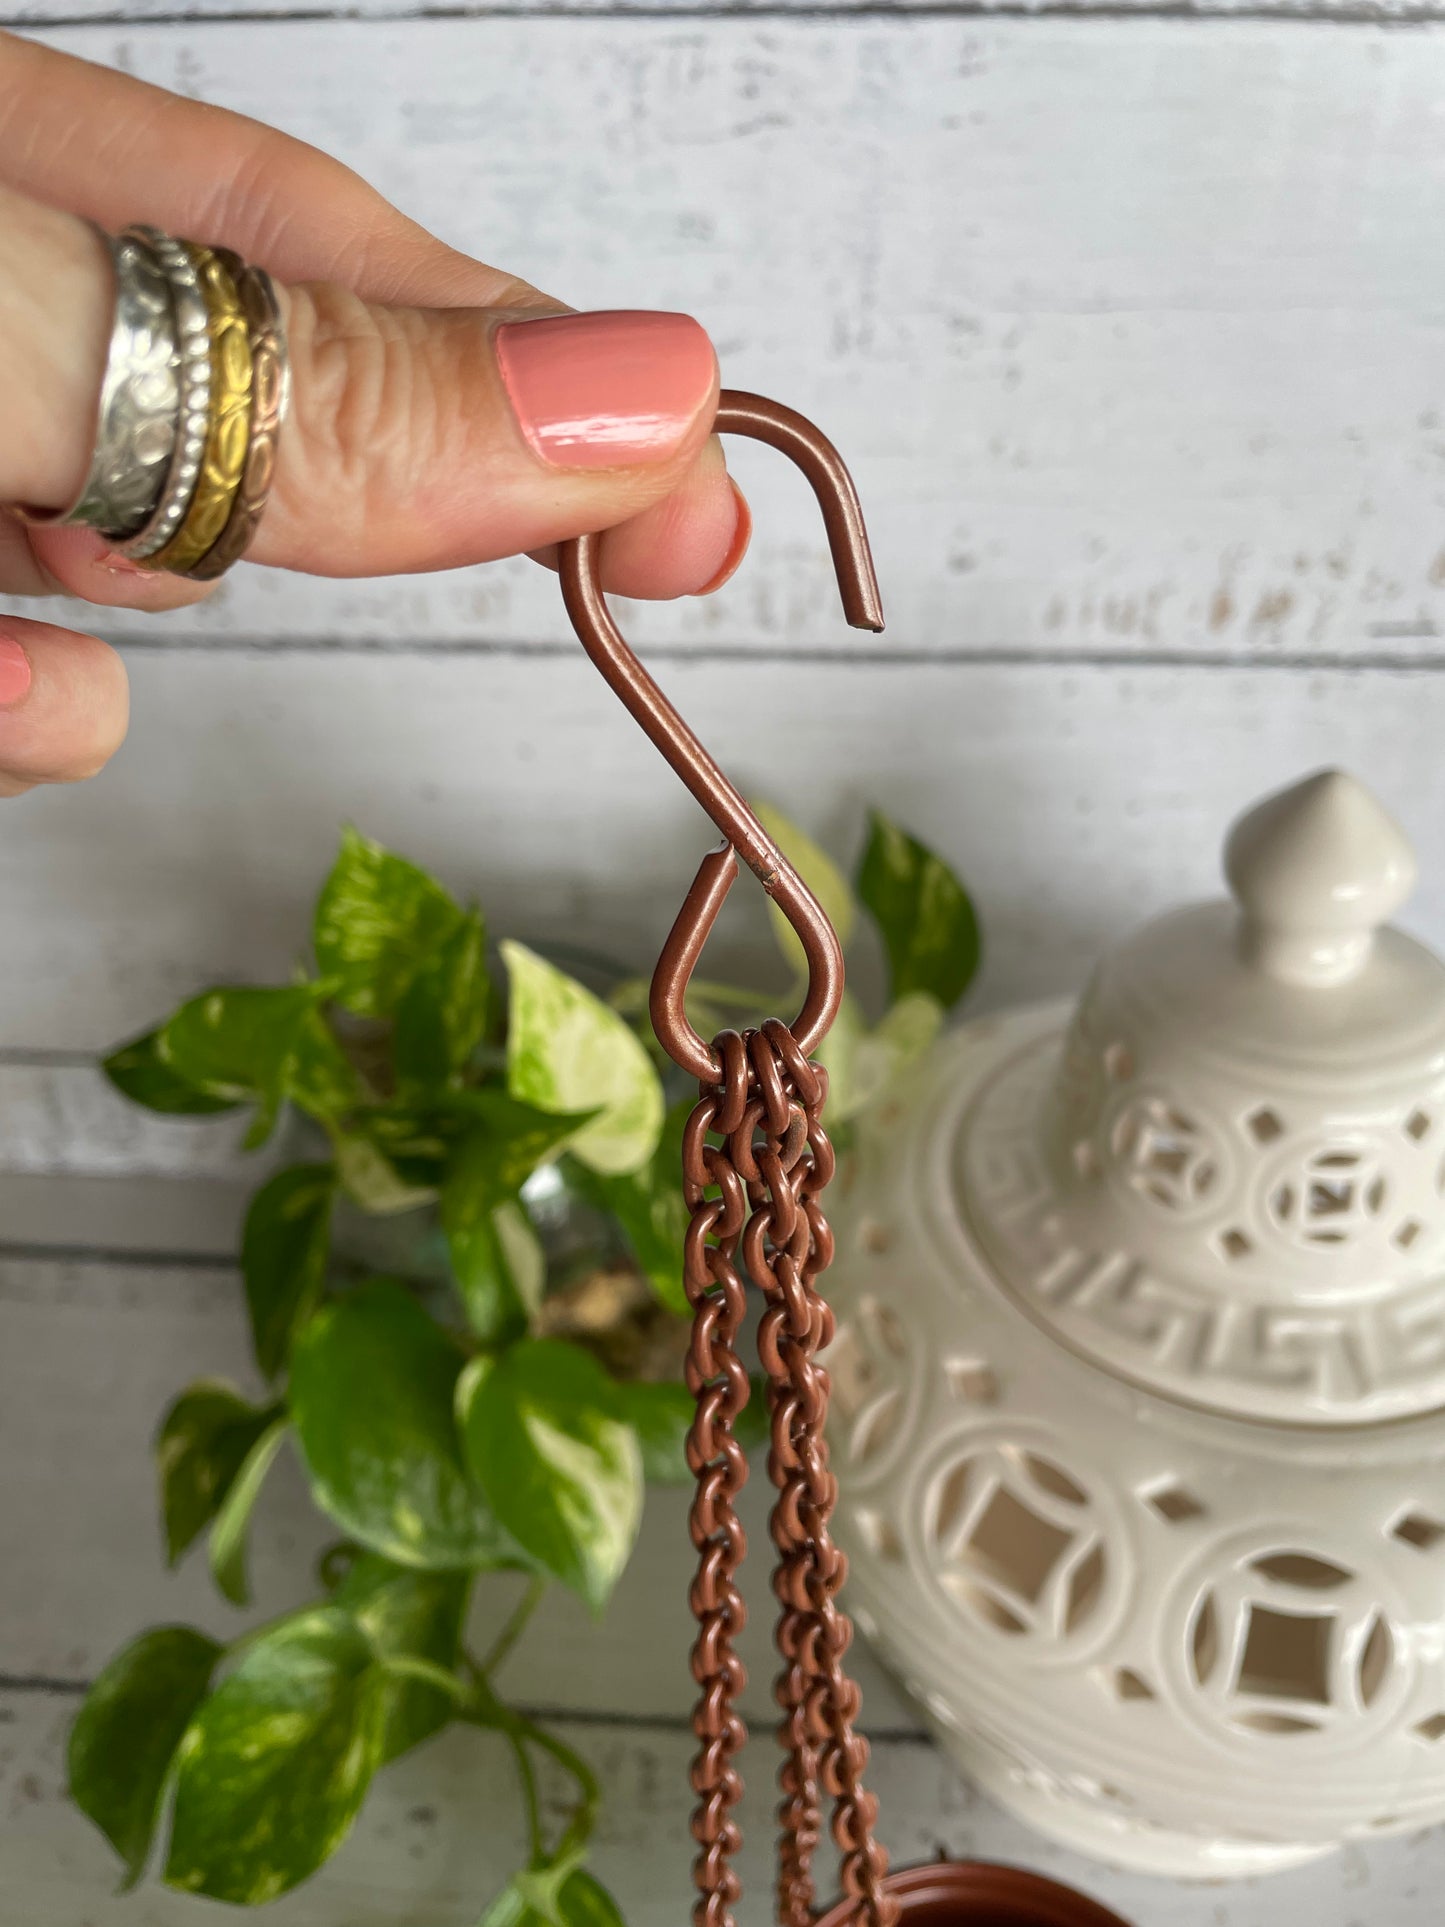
815	455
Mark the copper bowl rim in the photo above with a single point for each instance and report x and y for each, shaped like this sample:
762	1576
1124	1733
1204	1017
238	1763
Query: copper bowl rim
985	1887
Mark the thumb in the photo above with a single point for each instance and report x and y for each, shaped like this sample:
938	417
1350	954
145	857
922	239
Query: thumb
430	438
417	438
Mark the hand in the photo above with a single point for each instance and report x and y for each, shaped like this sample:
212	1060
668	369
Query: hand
418	438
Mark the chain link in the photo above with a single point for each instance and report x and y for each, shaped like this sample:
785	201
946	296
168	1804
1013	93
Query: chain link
757	1194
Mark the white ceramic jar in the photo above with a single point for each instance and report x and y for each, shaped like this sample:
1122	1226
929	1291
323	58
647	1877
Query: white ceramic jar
1139	1379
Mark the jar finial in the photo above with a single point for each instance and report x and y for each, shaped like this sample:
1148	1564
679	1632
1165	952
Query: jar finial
1316	870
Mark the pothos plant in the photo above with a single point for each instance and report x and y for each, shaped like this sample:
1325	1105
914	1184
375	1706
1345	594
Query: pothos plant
481	1420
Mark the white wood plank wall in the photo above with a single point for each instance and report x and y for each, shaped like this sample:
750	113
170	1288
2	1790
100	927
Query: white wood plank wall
1130	317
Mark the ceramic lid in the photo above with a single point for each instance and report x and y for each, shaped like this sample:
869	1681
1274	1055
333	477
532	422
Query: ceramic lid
1229	1181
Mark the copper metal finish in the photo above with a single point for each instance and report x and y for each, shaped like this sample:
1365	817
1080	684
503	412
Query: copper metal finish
756	1195
756	1160
973	1893
767	421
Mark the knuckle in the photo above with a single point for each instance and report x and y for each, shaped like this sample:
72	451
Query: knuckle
379	407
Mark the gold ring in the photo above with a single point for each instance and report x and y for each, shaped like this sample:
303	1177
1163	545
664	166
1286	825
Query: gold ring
228	425
268	404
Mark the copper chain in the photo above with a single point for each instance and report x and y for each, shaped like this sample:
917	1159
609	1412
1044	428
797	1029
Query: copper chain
758	1192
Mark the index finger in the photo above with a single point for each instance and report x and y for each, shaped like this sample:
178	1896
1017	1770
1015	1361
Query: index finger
192	168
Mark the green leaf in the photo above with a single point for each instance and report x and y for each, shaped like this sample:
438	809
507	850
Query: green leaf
923	912
567	1052
373	1179
284	1251
127	1731
862	1064
496	1258
379	921
413	1614
585	1902
323	1079
501	1272
648	1206
838	1054
504	1141
819	872
902	1035
204	1440
372	1389
566	1896
239	1043
139	1071
228	1535
546	1441
276	1764
442	1016
661	1416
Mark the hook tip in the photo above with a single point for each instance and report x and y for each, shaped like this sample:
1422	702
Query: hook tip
863	606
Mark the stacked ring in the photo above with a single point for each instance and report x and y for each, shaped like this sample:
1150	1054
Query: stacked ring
270	373
192	401
188	427
228	420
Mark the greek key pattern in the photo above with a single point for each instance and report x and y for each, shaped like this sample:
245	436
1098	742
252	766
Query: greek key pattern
1218	1340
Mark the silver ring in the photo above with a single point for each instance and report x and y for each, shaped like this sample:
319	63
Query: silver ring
193	338
139	398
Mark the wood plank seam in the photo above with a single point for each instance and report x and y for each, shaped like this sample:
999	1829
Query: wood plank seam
1388	13
845	657
36	1251
48	1686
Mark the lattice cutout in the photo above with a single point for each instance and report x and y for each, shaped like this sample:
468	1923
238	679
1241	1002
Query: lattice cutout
1129	1685
880	1533
867	1362
1417	1125
1264	1125
1165	1154
1418	1529
1286	1656
1432	1729
1175	1504
1303	1570
1290	1643
1017	1543
971	1381
1334	1198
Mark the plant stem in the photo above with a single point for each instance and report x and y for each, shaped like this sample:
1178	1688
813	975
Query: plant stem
584	1816
528	1778
486	1710
428	1673
514	1627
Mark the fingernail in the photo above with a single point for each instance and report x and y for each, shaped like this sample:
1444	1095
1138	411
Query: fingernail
737	548
14	671
606	390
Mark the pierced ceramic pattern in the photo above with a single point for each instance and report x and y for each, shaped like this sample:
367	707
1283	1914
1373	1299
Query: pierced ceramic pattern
1018	1544
1074	1256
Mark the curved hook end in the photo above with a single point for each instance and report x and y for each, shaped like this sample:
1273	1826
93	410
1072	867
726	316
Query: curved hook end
805	444
667	1003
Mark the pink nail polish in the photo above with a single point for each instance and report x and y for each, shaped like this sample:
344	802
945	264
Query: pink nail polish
606	390
14	671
